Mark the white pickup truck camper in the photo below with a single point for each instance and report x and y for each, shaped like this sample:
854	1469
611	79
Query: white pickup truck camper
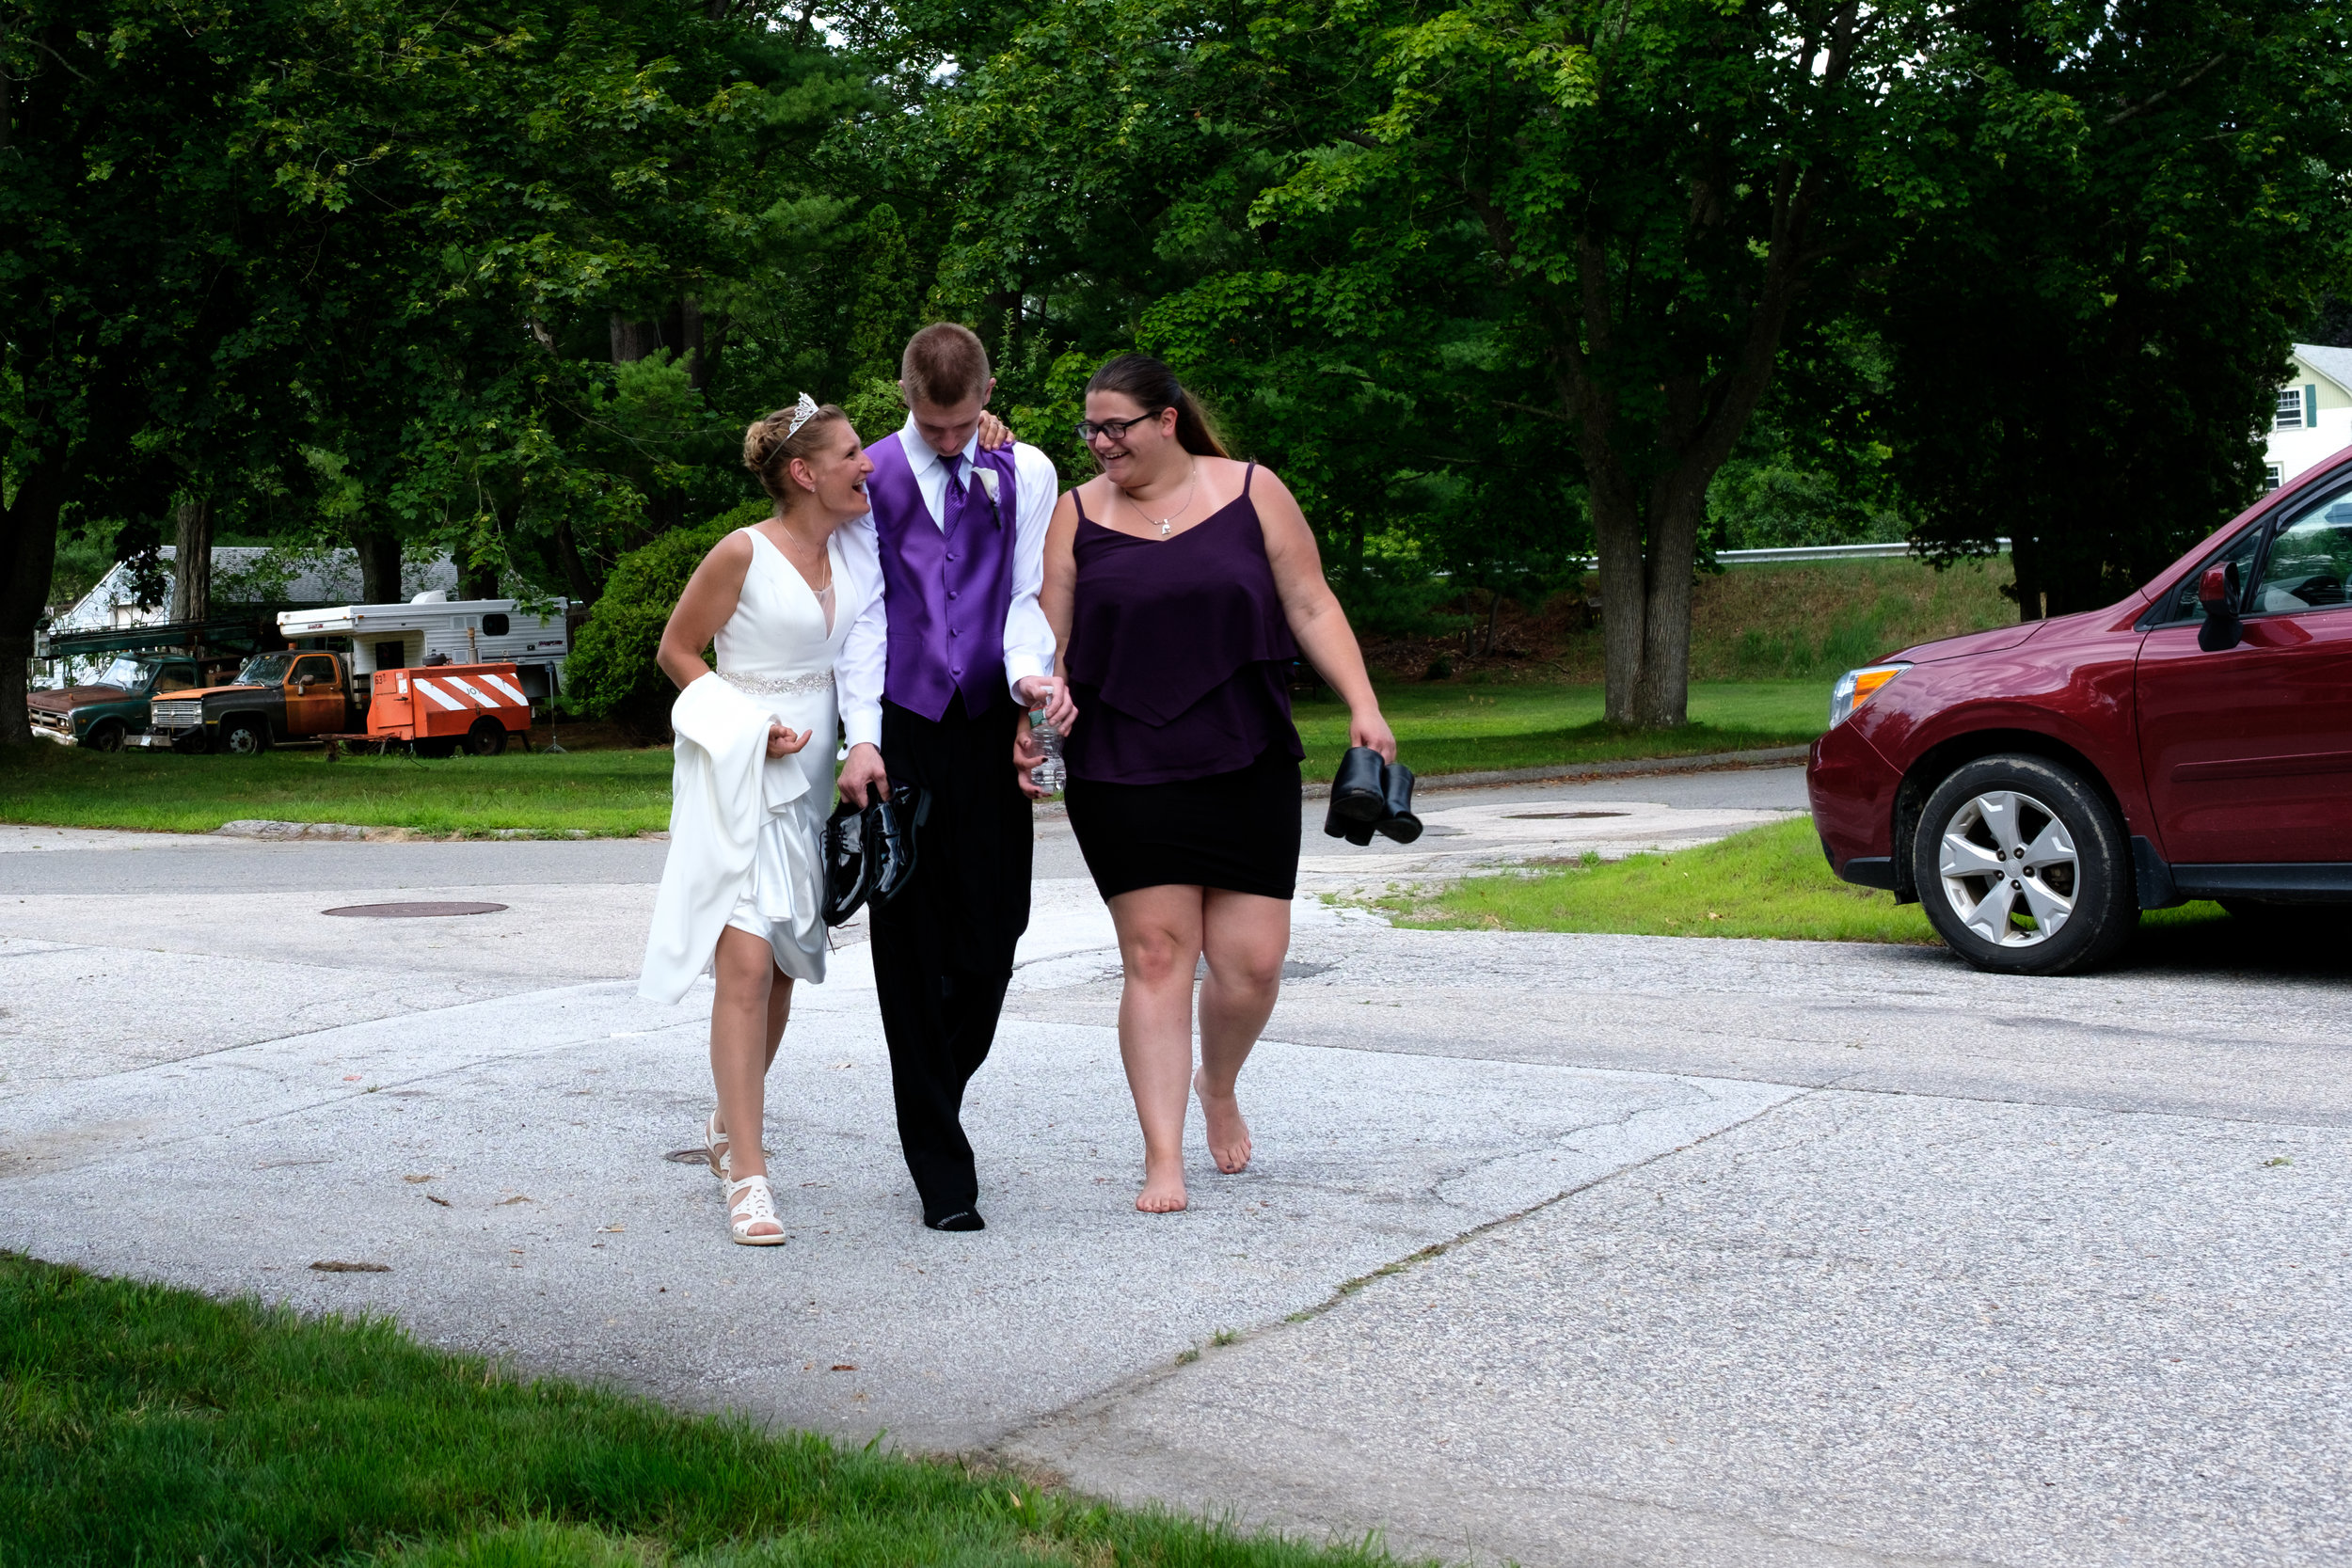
465	631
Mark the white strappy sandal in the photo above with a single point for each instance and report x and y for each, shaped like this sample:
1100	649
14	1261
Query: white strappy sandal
751	1201
715	1146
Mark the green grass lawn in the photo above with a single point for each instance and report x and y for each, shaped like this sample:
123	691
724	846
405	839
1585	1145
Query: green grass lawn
1441	729
1449	728
618	792
1769	881
149	1425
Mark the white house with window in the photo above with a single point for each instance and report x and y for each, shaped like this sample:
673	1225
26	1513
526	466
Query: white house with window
2314	416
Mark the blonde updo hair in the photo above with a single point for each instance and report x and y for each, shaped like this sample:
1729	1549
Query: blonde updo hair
768	451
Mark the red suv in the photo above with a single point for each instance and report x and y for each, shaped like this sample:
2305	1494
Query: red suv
2035	787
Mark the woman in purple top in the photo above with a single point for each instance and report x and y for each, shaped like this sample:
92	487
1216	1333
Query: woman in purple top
1181	584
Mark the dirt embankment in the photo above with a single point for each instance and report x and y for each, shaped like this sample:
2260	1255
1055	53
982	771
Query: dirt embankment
1747	623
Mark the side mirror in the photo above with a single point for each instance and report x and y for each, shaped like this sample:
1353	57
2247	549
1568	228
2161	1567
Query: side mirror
2217	592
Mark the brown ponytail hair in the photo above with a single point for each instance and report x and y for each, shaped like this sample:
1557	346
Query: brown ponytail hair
768	451
1155	387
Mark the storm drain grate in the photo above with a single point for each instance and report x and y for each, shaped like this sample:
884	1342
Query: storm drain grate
410	911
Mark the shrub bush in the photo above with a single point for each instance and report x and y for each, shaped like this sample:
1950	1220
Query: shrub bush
612	674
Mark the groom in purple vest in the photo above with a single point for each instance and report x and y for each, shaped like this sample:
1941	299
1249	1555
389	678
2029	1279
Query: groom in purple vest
935	681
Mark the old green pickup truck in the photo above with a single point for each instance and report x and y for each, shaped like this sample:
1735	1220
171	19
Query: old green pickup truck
100	713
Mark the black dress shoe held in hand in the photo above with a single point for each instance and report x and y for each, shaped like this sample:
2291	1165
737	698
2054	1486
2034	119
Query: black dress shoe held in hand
1357	795
1357	833
1399	823
848	868
890	839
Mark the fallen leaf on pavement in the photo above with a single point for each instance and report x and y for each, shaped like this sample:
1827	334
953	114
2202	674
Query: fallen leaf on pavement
435	1198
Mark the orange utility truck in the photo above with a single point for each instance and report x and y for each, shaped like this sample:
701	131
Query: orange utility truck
438	708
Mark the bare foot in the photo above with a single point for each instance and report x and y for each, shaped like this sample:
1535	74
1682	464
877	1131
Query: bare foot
1163	1190
1229	1135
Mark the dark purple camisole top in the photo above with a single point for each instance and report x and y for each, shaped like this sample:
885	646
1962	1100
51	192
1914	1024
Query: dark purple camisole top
1179	650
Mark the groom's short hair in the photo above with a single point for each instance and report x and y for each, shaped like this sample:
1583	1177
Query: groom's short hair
943	364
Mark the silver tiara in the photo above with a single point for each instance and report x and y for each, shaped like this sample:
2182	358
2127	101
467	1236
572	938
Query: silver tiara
802	412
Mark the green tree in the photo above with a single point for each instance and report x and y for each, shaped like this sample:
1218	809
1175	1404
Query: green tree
141	302
1577	235
2088	352
364	271
1673	194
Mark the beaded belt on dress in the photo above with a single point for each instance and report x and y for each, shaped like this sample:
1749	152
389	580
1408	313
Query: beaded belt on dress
776	686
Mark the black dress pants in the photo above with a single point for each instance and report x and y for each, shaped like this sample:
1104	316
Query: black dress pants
943	948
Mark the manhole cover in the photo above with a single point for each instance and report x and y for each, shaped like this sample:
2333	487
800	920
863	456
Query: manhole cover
411	911
1559	815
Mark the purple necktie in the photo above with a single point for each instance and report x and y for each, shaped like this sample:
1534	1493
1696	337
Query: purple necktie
954	464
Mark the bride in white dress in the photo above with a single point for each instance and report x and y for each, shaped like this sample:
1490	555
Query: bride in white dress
742	887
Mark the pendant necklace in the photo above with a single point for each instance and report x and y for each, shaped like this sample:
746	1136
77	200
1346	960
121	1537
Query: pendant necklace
816	549
1164	523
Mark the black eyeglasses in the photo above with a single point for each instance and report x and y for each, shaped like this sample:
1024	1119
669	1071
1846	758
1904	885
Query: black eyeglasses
1115	429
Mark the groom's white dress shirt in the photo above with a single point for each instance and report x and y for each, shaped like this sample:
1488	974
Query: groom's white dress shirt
1028	641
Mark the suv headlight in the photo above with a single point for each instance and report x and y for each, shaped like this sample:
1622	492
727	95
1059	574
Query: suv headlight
1857	686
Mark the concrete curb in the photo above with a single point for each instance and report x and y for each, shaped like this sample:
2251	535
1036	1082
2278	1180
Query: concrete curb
258	827
1314	790
264	828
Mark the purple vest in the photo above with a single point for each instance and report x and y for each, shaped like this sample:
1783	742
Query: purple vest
944	591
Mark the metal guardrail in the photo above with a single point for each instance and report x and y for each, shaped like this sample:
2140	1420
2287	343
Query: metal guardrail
1819	553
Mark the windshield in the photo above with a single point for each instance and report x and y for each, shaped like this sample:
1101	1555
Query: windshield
125	672
265	670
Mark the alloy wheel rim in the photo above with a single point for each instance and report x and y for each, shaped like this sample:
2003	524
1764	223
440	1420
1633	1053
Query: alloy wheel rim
2005	858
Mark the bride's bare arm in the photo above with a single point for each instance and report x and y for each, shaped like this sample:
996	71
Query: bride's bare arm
711	598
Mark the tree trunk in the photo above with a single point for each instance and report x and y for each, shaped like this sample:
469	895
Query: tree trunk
1648	558
697	343
379	568
192	560
576	575
1624	597
28	556
633	340
2025	569
681	333
479	580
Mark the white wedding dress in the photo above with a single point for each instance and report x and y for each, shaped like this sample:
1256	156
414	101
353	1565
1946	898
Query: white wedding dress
746	828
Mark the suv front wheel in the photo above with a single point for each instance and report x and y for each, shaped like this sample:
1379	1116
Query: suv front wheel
2023	868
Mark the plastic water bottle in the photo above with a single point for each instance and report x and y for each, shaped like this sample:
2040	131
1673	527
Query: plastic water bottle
1049	774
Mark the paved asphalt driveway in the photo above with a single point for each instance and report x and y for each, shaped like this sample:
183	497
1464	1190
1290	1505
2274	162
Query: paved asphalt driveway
1564	1249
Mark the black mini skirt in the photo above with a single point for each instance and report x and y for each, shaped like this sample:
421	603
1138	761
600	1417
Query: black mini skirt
1236	830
